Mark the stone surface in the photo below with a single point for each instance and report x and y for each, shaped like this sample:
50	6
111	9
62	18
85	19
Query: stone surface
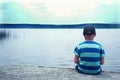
25	72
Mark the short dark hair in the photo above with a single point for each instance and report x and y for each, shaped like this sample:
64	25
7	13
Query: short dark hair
89	30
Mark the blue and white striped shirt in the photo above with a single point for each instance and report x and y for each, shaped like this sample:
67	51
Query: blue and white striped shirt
89	53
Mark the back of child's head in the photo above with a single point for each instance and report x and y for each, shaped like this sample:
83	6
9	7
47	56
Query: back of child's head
89	30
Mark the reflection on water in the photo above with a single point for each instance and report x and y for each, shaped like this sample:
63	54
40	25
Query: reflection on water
54	47
4	34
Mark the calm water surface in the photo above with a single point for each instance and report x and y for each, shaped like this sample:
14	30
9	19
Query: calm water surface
54	47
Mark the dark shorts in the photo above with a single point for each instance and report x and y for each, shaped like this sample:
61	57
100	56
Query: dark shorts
76	68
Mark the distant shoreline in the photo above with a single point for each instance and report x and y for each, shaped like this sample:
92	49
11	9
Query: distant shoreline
54	26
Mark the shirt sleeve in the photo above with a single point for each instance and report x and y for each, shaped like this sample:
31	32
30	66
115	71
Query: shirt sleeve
76	51
102	52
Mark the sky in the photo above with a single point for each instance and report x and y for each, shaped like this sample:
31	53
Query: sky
59	11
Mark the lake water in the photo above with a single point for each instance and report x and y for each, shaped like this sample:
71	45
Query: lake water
54	47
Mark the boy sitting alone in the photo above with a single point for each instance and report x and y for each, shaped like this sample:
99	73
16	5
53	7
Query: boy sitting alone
89	55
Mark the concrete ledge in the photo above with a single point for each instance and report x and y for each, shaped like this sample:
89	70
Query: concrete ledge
23	72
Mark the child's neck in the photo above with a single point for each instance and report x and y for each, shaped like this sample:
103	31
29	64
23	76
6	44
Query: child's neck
89	39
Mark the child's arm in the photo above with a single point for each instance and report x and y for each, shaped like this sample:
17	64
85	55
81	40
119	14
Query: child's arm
102	60
76	59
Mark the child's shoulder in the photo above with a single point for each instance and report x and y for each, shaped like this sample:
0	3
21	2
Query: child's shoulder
97	43
89	42
82	42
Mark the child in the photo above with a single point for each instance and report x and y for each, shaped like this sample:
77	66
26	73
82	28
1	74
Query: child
89	55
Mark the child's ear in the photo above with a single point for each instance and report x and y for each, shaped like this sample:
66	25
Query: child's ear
94	35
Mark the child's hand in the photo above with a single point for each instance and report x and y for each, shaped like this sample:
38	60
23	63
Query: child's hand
76	59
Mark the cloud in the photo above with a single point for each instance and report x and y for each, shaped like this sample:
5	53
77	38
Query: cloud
61	11
64	8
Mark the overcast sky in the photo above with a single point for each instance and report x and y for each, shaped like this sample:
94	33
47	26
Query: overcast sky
59	11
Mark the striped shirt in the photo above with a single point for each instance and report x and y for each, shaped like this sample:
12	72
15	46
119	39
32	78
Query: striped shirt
89	53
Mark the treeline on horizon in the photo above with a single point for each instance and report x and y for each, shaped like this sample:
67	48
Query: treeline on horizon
96	25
